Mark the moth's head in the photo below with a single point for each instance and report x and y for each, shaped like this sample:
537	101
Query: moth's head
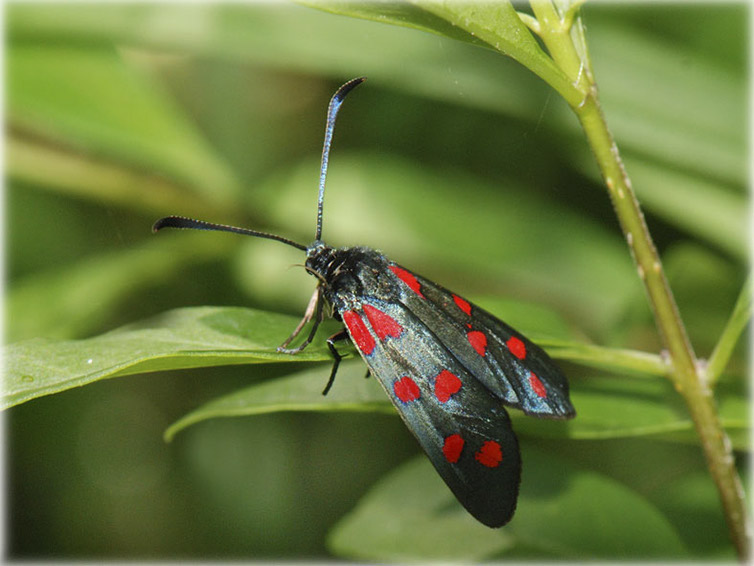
319	257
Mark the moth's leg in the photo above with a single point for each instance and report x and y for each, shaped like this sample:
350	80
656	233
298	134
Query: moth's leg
337	337
313	310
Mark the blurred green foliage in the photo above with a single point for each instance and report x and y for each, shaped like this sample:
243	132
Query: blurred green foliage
452	160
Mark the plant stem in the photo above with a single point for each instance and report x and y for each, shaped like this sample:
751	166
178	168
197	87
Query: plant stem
729	338
684	370
685	374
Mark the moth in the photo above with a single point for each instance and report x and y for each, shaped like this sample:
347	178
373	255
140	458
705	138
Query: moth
449	367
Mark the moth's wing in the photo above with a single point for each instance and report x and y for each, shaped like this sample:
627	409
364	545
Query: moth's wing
541	386
510	365
460	424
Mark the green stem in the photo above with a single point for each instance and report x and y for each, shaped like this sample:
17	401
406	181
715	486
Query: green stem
641	364
729	338
684	370
530	22
687	379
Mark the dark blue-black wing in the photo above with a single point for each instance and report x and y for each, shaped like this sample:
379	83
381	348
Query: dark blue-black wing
460	424
449	367
512	367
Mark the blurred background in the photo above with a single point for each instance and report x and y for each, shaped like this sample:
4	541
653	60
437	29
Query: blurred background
450	159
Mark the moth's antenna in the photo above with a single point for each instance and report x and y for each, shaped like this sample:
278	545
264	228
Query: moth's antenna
190	223
332	113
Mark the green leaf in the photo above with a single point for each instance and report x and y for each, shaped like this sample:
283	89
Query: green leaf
183	338
411	515
302	391
668	103
692	502
68	171
606	408
560	508
495	25
664	99
415	15
66	303
282	35
299	392
89	99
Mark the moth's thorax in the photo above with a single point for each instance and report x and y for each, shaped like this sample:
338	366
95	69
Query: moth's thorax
345	272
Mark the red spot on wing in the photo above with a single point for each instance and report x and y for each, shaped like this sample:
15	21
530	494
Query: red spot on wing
406	389
489	454
516	347
452	448
383	324
359	332
537	386
446	384
478	341
408	279
463	304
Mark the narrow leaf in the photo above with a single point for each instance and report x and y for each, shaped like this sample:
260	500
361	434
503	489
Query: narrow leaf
738	320
192	337
496	25
300	392
606	408
89	98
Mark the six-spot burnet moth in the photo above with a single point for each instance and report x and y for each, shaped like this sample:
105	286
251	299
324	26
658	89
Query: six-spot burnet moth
447	365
